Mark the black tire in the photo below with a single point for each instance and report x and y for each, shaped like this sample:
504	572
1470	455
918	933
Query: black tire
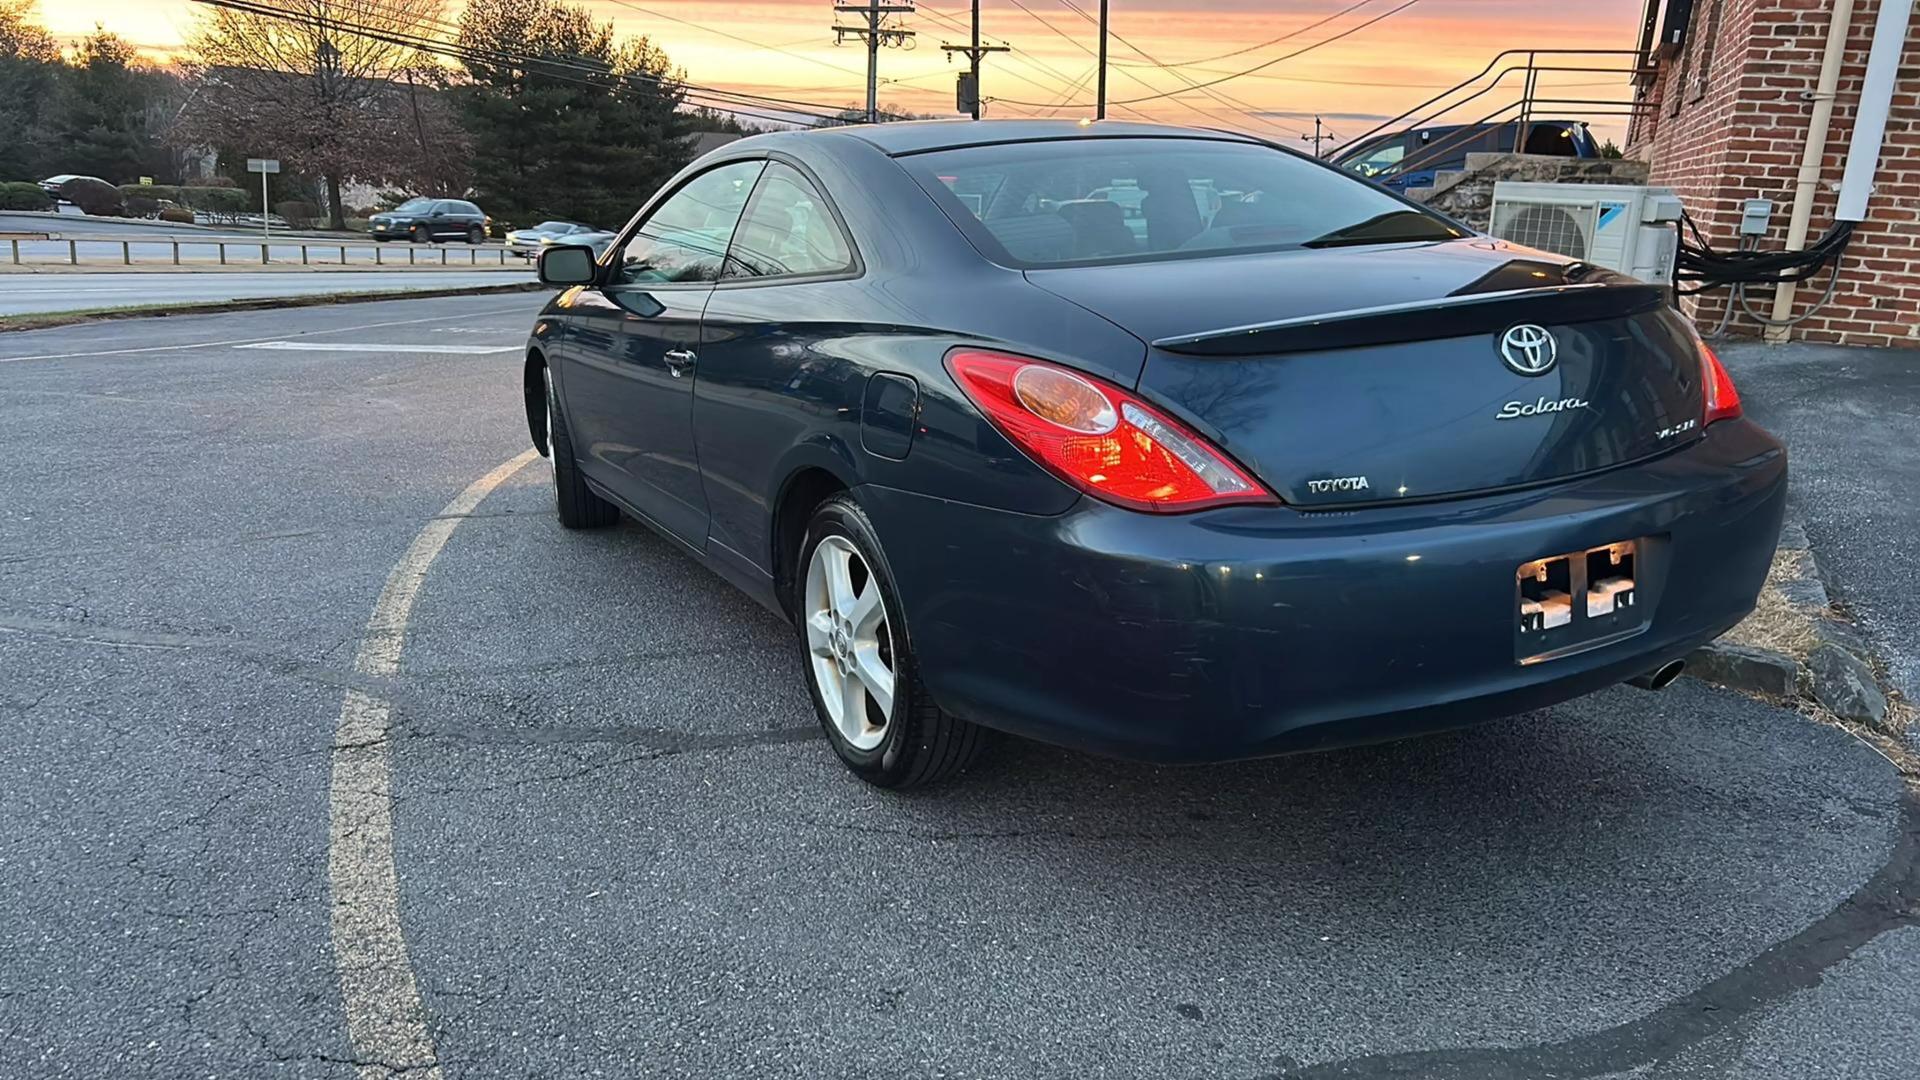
920	744
381	239
476	235
576	504
421	235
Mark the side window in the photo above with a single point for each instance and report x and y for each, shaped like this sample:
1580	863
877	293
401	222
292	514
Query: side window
1381	158
685	238
788	230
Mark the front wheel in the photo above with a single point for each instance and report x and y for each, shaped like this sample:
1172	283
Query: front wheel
421	235
476	235
859	662
576	504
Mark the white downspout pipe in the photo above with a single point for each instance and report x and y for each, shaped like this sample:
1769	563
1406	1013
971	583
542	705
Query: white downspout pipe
1807	182
1870	116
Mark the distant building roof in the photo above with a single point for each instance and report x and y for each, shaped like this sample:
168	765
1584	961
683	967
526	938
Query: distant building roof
705	141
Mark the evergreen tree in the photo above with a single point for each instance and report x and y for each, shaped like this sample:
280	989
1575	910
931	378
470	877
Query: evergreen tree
110	112
574	124
29	67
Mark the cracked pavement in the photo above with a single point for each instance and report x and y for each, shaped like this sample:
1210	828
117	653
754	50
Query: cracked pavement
623	850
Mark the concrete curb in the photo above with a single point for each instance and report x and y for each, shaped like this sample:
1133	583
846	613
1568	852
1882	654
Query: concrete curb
22	323
1838	672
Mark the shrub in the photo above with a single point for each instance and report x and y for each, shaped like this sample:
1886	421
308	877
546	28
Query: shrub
213	201
219	181
297	214
176	213
142	206
24	197
95	197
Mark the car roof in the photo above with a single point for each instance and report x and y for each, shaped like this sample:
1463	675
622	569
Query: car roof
917	136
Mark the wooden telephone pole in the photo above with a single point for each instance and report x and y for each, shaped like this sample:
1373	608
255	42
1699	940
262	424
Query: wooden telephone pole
874	31
1319	136
967	96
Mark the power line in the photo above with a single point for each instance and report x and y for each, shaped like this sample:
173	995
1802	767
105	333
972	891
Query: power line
736	37
1233	104
1288	56
546	67
1016	55
1349	9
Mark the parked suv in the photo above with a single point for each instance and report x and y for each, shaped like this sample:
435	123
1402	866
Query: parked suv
1404	159
426	220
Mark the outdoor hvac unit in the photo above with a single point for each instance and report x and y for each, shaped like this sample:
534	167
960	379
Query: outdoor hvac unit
1618	226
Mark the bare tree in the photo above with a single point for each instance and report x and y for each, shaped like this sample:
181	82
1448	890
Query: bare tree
308	86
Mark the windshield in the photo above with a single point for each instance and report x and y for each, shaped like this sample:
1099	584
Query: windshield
553	227
1077	201
414	204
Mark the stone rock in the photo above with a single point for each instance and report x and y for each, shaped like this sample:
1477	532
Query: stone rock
1745	668
1844	684
1847	636
1805	590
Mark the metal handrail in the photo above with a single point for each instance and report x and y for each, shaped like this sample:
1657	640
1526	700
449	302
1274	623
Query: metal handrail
1533	69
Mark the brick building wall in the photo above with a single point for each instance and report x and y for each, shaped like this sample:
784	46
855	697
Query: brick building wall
1730	118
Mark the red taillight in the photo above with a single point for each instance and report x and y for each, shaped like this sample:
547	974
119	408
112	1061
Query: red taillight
1722	400
1100	438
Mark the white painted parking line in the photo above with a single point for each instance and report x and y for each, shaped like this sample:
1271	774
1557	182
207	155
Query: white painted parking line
386	1021
348	346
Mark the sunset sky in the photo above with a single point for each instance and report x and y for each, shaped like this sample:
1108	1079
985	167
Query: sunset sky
783	48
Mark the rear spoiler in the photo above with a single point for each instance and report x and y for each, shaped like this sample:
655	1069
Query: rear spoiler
1447	316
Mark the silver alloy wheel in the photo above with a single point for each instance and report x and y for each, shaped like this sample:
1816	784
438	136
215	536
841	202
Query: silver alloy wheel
850	643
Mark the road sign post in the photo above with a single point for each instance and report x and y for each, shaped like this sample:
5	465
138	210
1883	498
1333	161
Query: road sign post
264	166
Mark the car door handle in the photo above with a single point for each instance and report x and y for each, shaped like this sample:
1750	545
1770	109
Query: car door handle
679	360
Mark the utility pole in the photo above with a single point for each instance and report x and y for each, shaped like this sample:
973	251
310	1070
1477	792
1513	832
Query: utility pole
968	98
1100	95
875	33
1319	136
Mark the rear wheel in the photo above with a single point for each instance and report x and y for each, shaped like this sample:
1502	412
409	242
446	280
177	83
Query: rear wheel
577	505
859	662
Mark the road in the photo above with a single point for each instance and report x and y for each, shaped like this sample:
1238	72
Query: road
1852	418
36	294
154	245
564	810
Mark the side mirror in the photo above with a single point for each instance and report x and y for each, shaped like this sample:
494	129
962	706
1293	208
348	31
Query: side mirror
567	264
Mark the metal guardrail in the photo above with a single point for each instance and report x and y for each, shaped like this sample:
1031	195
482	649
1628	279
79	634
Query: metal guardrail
265	247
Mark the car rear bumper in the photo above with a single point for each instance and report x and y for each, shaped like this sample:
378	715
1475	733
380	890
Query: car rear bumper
1245	632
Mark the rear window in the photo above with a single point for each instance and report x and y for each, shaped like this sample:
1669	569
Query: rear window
1080	201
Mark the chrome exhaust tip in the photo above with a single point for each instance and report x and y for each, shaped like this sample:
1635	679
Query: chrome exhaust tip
1661	677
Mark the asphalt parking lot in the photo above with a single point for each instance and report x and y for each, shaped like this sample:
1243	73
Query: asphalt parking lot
329	753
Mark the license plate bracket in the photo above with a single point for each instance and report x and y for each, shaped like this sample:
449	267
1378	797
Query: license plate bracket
1582	599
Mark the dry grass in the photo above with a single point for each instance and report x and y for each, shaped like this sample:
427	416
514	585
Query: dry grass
1778	623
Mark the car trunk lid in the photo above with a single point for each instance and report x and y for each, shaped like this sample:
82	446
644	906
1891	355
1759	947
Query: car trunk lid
1372	375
